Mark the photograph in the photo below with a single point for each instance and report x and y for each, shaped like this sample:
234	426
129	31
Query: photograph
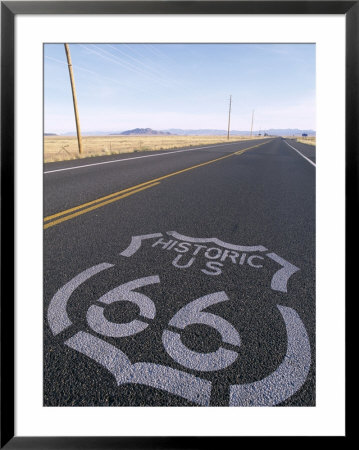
179	224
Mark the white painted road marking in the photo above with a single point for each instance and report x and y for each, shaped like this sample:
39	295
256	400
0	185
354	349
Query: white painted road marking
279	280
98	322
193	314
281	277
309	160
288	378
136	157
135	243
158	376
202	362
273	389
57	314
241	248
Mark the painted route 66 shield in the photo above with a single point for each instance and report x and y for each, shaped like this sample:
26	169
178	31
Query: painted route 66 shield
182	320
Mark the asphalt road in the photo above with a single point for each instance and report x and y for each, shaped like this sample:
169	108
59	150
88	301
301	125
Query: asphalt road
212	304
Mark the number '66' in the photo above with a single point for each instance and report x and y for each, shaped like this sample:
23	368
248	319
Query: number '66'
190	314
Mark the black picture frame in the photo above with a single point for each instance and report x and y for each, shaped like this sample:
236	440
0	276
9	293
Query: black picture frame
9	9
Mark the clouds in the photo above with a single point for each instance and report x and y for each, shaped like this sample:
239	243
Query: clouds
299	114
122	86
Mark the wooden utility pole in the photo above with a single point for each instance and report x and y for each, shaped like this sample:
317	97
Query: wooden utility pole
252	122
229	115
79	138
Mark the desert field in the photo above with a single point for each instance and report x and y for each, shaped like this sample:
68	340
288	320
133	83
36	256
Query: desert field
310	140
60	148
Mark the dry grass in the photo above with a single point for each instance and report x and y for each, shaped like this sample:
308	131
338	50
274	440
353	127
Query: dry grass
310	140
61	148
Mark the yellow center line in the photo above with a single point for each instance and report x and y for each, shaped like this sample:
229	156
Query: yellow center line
75	208
129	191
99	205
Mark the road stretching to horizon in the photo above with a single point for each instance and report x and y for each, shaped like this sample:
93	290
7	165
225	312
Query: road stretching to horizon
182	277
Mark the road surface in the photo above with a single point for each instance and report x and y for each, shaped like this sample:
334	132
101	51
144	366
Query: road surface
181	278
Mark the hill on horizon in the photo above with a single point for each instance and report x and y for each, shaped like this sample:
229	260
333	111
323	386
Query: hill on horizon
143	132
192	132
270	131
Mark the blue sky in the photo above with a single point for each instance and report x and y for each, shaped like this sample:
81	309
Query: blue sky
161	86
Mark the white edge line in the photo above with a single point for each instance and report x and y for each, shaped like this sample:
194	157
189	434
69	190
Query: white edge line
309	160
138	157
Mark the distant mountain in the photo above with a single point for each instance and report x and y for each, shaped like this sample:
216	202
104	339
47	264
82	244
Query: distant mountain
199	132
272	131
87	133
290	132
50	134
143	131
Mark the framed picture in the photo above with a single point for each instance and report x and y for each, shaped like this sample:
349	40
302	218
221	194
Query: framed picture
169	272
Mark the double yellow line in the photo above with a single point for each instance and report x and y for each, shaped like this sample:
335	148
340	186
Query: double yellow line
98	204
68	214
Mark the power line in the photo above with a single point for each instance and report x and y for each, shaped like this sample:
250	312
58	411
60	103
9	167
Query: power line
252	122
79	138
229	115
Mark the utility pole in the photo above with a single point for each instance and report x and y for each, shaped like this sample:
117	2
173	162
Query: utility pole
252	122
79	138
229	115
